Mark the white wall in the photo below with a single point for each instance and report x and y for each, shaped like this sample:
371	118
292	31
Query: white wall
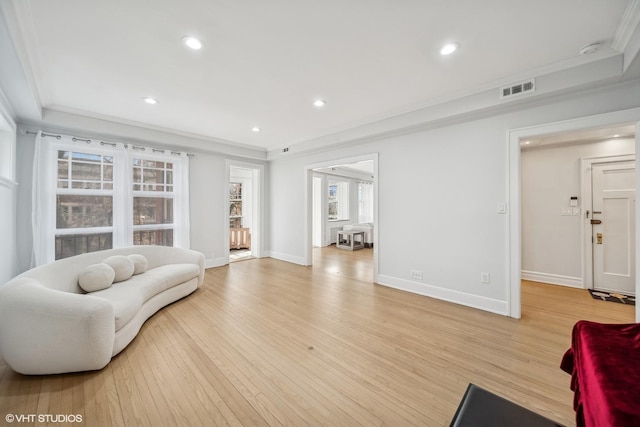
438	192
551	242
209	206
208	198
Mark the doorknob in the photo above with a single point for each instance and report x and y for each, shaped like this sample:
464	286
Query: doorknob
598	238
596	221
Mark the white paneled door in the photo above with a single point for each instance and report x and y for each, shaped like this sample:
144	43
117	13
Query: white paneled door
613	226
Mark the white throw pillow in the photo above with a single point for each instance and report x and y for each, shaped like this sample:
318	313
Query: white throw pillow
122	265
96	277
140	263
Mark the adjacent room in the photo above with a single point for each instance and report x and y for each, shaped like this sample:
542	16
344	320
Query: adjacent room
330	213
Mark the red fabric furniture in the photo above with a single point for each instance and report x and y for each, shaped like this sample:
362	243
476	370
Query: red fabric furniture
604	363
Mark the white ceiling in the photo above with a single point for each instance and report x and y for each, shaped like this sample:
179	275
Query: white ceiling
586	135
264	62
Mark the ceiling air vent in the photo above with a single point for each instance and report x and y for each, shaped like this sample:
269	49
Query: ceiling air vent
518	89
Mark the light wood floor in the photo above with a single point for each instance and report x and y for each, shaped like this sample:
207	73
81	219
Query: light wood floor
265	342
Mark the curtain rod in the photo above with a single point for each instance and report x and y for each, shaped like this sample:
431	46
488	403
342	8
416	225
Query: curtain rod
113	144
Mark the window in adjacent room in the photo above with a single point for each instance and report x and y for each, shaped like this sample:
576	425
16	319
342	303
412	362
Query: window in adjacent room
365	202
338	200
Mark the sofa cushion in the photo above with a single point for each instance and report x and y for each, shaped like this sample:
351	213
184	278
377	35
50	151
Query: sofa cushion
122	265
140	263
128	296
96	277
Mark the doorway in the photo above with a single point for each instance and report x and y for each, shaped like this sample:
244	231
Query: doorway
244	209
325	217
610	230
517	137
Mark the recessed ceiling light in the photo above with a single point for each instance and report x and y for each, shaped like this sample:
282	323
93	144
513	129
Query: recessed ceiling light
616	135
319	102
256	129
150	100
527	142
448	49
193	43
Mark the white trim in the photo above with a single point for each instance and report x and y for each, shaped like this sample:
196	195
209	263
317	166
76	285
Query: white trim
628	34
450	295
257	181
286	257
554	279
514	224
22	30
308	206
637	146
603	71
215	262
67	120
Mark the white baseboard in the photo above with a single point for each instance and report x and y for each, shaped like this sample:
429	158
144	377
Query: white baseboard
287	257
554	279
215	262
470	300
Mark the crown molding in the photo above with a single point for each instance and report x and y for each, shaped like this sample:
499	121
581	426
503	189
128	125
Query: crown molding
113	128
592	75
21	28
628	25
627	37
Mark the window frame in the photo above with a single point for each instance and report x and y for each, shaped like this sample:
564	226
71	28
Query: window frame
46	192
341	199
142	193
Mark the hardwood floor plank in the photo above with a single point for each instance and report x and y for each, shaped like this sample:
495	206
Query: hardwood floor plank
265	342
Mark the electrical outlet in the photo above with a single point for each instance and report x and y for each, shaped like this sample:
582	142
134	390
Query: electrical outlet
485	278
416	274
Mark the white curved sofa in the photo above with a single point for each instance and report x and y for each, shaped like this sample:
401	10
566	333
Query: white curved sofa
50	325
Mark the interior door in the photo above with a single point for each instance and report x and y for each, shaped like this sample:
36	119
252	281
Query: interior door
613	226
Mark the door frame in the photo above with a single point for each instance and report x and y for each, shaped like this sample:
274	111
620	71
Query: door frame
586	165
308	207
514	224
257	182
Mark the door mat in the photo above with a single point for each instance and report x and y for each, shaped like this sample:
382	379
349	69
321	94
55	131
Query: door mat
613	296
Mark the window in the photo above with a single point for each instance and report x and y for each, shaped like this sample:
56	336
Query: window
365	202
235	205
338	200
91	195
152	202
84	203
